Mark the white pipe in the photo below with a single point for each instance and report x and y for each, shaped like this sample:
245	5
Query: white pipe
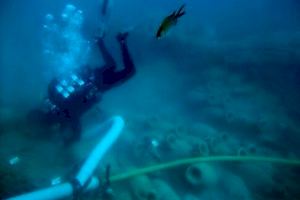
98	152
56	192
87	170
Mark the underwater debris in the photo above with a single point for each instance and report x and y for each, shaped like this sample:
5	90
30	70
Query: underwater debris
174	147
201	175
190	197
169	21
242	151
55	181
234	187
169	142
246	151
164	190
143	189
14	160
200	148
13	182
148	148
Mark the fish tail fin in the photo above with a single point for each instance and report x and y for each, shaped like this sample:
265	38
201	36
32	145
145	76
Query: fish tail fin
180	11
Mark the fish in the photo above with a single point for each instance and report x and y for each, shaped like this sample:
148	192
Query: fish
169	21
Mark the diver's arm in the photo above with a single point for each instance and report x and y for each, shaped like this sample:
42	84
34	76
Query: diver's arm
129	68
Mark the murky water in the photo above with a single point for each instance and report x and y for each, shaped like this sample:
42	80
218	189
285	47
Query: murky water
222	81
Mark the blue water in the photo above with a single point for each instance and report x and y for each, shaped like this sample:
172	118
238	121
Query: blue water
223	81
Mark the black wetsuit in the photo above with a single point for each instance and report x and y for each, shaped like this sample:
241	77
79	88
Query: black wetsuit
71	96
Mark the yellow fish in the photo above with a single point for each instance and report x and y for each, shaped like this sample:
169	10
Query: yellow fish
169	21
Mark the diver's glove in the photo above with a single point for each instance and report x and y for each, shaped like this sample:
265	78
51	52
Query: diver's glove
121	37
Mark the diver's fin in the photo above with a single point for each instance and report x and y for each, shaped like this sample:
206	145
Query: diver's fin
181	8
180	14
171	16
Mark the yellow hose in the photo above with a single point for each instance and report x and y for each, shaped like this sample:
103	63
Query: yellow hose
176	163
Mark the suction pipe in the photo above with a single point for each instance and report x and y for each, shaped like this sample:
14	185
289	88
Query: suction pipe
92	162
85	174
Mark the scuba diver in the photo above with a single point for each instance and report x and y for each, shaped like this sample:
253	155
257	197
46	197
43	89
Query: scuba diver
69	97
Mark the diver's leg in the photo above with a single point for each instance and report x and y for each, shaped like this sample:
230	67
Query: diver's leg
127	60
108	59
112	77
